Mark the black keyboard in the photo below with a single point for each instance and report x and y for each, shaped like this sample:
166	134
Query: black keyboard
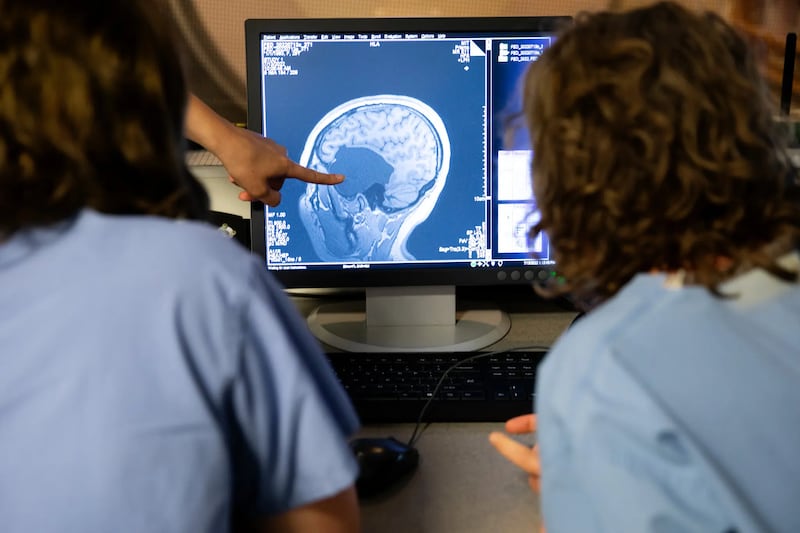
394	387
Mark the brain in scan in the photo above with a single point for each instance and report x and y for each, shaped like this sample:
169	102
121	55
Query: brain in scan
395	153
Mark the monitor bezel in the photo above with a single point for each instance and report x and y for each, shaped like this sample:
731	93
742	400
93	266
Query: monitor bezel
406	275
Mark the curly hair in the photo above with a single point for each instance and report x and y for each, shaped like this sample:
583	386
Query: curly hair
655	148
92	98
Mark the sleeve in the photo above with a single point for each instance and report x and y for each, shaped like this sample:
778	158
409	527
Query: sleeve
291	417
613	462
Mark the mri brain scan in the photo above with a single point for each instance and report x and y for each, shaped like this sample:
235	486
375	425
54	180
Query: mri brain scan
395	153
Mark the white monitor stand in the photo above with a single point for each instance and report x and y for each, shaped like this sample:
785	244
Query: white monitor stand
407	319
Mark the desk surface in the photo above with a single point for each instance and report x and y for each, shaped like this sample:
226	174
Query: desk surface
461	484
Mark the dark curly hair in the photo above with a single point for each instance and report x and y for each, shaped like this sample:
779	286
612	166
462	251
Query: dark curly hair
92	98
655	149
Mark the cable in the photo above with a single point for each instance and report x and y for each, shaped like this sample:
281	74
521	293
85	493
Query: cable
414	437
787	80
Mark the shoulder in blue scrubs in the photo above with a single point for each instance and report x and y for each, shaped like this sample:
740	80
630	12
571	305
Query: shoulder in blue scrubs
668	409
155	378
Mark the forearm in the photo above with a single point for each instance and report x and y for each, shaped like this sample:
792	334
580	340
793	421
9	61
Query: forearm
205	127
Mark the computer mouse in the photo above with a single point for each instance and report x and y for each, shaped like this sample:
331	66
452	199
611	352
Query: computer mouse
383	462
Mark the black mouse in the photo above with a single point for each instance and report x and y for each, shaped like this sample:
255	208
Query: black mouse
382	463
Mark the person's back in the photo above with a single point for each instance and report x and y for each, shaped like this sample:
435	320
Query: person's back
151	373
686	400
153	377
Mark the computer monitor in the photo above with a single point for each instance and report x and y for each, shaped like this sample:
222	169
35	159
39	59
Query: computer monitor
417	114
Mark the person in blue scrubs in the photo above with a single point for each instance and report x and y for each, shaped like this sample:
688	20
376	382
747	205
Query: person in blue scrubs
673	405
153	376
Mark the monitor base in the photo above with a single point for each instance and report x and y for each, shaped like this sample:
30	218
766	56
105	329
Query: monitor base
347	326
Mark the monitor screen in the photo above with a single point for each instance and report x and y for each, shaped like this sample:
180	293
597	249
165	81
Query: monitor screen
422	117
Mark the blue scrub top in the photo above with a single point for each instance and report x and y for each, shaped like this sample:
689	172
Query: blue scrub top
672	410
154	377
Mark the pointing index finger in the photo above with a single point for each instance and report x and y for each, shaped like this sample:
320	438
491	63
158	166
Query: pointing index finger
312	176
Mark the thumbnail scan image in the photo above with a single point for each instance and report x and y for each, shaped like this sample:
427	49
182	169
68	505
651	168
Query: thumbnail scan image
395	152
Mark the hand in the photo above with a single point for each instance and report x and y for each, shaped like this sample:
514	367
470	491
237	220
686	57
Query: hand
524	457
256	164
259	166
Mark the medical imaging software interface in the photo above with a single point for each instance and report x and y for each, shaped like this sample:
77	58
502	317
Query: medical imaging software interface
418	124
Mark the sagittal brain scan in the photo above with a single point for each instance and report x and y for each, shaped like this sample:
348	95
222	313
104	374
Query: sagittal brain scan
395	152
412	120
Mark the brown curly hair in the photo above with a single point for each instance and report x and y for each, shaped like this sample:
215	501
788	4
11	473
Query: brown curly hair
655	148
92	98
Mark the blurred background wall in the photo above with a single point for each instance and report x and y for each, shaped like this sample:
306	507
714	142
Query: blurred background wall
213	30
